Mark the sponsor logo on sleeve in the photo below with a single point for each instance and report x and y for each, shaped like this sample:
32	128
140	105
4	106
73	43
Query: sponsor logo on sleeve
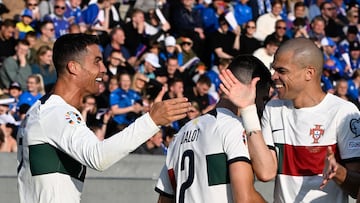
355	126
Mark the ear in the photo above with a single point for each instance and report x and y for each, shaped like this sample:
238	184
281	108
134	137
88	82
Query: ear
72	67
310	73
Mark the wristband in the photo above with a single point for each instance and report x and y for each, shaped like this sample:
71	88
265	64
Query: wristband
250	118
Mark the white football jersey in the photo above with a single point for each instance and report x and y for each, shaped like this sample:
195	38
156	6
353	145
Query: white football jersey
55	145
196	168
301	137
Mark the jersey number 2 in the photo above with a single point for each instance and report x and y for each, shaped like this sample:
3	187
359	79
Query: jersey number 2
190	180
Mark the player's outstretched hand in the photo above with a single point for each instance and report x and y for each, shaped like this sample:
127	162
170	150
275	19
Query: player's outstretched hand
242	95
165	112
330	167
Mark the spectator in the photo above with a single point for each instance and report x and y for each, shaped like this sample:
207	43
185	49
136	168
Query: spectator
266	23
14	92
279	33
248	43
317	29
117	41
173	68
7	141
96	16
172	50
117	64
134	30
243	13
351	36
353	18
314	9
47	34
45	67
211	14
354	53
31	38
7	39
151	62
96	121
341	90
199	93
336	68
23	26
175	89
225	43
34	90
168	136
299	29
332	28
61	24
33	5
353	85
125	103
187	21
16	68
266	53
73	13
152	146
46	7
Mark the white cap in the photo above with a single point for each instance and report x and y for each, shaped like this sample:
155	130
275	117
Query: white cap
7	118
153	59
170	41
208	1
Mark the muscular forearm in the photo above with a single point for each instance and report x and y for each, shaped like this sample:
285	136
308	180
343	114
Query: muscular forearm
263	159
348	180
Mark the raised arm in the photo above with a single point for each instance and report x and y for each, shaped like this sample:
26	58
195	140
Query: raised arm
263	159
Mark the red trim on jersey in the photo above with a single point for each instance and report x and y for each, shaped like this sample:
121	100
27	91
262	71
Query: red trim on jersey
172	178
303	160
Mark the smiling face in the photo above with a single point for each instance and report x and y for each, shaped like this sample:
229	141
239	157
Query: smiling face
93	69
288	78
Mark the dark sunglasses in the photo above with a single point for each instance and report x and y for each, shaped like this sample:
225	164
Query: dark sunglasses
186	43
61	7
32	4
330	9
283	28
251	27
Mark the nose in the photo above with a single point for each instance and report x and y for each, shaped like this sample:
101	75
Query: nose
102	68
275	76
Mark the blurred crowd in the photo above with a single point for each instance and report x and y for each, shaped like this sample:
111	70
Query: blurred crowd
179	45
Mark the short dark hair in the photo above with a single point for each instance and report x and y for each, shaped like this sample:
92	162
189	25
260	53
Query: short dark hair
8	23
70	47
247	67
204	79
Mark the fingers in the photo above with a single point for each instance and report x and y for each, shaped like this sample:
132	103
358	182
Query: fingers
224	89
329	151
160	95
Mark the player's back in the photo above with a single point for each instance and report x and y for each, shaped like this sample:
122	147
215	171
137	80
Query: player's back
200	155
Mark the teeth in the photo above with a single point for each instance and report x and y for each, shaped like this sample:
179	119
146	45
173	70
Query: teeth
278	86
98	79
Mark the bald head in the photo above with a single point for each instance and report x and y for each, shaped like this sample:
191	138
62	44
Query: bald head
304	53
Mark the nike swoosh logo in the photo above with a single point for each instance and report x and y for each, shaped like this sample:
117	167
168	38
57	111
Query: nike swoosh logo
276	130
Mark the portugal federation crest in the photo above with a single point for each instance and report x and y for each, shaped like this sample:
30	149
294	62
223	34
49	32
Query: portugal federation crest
72	118
316	133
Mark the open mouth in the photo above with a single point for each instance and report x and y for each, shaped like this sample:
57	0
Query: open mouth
98	79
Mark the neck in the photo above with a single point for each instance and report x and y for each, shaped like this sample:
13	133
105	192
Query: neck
226	103
309	98
72	97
